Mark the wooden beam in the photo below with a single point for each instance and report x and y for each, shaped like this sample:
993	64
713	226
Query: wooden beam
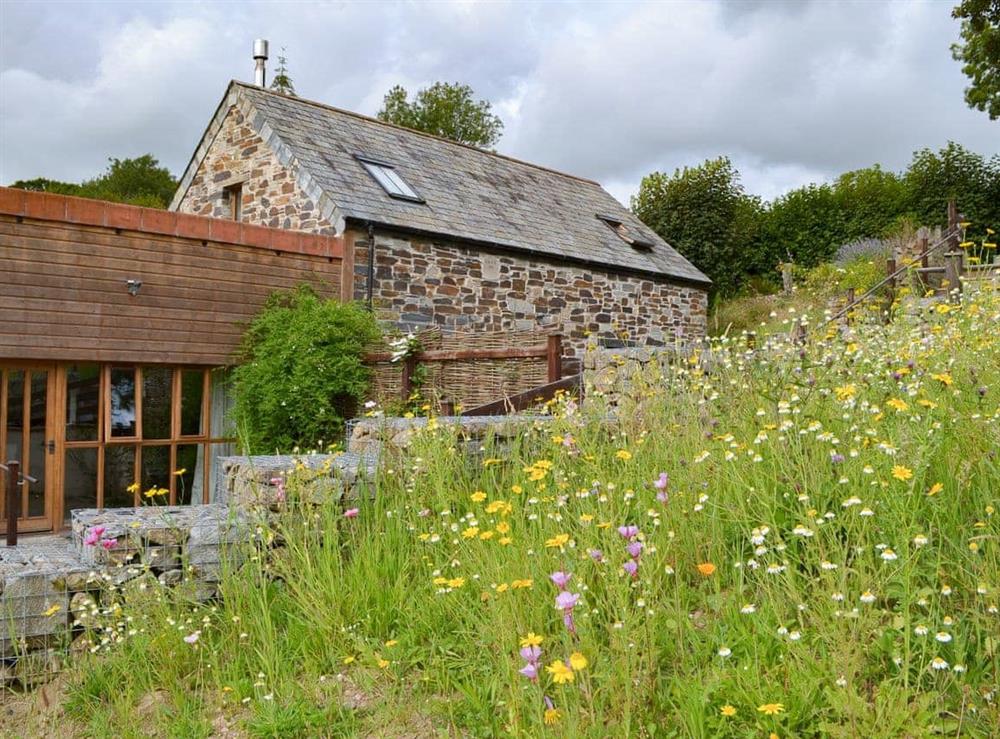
529	398
449	355
554	352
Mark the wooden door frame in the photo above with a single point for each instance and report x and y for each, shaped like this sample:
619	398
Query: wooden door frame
49	521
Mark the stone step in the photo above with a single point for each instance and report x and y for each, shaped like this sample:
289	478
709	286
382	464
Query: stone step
393	433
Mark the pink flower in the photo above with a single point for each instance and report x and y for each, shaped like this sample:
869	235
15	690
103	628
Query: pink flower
108	543
567	440
91	539
99	531
566	600
631	567
663	496
560	579
192	637
351	513
530	671
661	483
634	549
532	653
628	532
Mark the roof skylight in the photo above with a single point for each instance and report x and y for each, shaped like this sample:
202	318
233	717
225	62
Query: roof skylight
390	180
616	225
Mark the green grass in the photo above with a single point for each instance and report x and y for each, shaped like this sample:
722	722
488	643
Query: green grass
405	620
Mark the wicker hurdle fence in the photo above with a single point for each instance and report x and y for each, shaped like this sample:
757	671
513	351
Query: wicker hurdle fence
467	369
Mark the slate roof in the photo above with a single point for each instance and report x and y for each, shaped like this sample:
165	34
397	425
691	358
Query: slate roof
469	194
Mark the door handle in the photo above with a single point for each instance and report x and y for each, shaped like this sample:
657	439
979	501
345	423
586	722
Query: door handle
52	446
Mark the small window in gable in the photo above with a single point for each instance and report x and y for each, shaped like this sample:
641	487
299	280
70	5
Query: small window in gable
234	197
619	227
391	181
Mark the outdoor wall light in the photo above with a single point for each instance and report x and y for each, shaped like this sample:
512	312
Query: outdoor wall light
133	287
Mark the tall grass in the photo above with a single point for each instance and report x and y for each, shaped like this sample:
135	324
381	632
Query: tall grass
821	559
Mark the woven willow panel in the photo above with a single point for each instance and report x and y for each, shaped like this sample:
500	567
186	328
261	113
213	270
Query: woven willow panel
466	383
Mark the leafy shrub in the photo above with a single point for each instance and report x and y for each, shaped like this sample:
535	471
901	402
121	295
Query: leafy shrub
301	372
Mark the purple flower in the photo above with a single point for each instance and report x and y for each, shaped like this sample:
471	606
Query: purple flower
661	484
628	532
836	458
634	549
663	496
596	554
560	579
567	600
567	440
531	654
631	567
530	671
568	622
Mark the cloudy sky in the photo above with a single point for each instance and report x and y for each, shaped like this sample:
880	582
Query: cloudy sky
793	91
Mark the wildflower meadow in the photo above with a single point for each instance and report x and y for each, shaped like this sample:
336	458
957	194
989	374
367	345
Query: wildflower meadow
790	538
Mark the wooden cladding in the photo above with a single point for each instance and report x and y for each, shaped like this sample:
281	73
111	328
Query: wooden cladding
64	292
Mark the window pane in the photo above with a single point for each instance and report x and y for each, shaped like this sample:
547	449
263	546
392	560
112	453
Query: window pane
155	473
192	402
379	173
222	401
80	486
83	392
189	478
37	450
119	475
122	398
15	414
157	390
400	183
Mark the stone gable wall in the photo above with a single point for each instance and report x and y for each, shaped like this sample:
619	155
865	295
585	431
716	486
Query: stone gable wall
421	282
271	196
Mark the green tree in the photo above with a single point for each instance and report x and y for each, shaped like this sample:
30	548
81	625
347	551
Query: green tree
704	213
301	371
138	181
979	53
444	109
871	201
282	81
954	173
805	225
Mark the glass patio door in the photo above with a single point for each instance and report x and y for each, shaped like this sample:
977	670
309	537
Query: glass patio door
26	402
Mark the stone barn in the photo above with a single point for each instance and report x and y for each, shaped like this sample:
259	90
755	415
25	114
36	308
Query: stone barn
438	233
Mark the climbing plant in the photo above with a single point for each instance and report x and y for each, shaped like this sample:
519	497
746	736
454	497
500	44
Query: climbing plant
301	371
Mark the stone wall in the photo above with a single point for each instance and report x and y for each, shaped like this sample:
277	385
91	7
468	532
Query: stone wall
271	196
420	282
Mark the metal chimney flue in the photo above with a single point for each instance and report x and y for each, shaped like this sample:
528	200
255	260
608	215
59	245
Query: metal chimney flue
259	57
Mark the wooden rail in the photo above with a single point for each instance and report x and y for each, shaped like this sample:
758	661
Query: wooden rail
529	398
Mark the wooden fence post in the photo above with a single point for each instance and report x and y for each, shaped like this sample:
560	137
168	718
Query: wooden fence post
554	354
787	284
953	216
13	501
406	381
953	271
890	270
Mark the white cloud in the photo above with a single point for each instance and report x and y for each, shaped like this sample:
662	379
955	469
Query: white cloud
792	92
